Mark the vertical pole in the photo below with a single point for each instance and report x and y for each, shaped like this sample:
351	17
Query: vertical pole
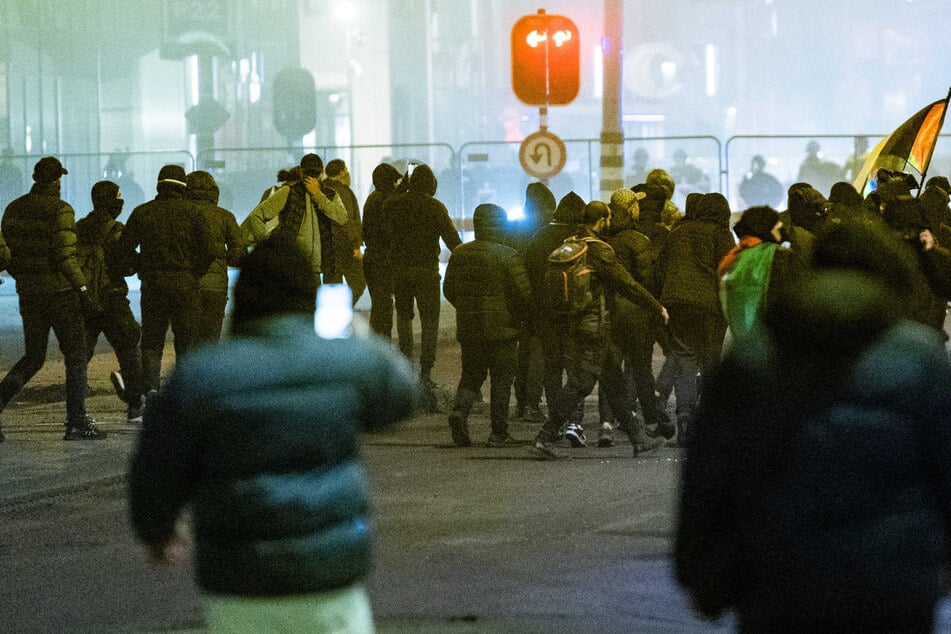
612	135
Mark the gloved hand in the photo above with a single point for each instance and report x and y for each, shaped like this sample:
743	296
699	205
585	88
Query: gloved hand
89	304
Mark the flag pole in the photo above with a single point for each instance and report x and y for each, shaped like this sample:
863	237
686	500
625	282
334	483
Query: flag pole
924	169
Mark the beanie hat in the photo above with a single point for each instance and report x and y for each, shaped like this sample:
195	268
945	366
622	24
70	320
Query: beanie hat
172	174
104	194
385	177
662	179
47	170
844	193
757	222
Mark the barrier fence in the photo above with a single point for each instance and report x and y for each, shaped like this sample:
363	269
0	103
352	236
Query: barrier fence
479	171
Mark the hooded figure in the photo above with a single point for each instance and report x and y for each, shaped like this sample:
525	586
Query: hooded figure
376	256
751	271
538	209
488	286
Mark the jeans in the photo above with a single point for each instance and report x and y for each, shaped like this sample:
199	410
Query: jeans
123	333
213	304
379	279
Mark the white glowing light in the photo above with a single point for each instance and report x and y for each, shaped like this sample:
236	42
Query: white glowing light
535	38
515	214
560	37
345	11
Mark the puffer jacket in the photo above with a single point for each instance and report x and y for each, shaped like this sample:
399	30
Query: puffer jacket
689	259
40	229
487	284
260	434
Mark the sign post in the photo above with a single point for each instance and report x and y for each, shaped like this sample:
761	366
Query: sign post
545	71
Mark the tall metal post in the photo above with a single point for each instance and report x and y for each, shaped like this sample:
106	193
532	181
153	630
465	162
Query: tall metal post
612	134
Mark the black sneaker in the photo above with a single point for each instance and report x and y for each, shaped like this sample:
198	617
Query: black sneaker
460	431
135	412
85	430
498	441
119	384
542	450
606	435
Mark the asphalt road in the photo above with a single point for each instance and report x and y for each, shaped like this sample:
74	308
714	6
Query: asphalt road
467	540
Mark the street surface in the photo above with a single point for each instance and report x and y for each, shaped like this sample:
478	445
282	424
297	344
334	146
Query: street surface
469	540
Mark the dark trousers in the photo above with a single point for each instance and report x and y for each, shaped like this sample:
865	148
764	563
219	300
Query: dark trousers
123	333
419	285
213	304
590	358
530	375
350	269
694	345
175	305
496	360
61	313
635	337
554	347
379	279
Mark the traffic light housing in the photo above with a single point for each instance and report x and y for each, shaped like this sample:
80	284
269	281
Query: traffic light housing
546	59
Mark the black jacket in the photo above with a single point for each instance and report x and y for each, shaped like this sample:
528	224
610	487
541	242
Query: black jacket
488	286
40	229
173	236
417	221
100	230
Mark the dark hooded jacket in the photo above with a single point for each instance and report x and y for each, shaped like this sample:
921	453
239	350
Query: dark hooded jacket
417	221
376	229
650	222
40	229
486	283
564	224
688	262
817	489
539	209
228	238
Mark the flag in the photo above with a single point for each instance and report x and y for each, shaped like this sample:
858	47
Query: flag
910	146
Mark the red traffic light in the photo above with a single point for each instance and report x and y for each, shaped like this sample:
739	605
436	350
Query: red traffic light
546	59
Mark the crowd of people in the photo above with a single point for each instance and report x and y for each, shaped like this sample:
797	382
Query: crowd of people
791	341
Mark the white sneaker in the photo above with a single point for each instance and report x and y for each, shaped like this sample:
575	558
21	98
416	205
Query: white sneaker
575	435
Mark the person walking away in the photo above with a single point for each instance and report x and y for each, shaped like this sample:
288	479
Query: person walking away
752	271
40	229
98	234
588	287
551	325
377	267
176	247
347	238
530	374
690	289
259	436
417	222
487	284
202	189
816	491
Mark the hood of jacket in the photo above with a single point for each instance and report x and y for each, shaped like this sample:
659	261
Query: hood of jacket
423	181
201	186
713	207
569	209
489	222
539	202
385	177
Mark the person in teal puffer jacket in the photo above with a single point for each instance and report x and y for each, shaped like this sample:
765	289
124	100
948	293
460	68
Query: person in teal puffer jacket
260	435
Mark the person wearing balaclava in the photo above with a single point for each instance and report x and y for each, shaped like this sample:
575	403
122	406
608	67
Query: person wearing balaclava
176	247
40	229
98	235
752	269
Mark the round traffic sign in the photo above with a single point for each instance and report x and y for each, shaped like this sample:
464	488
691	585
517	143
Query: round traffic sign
542	154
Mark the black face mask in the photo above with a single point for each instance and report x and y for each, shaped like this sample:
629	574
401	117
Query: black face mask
116	208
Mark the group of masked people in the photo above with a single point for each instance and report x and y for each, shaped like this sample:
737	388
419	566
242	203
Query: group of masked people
70	278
